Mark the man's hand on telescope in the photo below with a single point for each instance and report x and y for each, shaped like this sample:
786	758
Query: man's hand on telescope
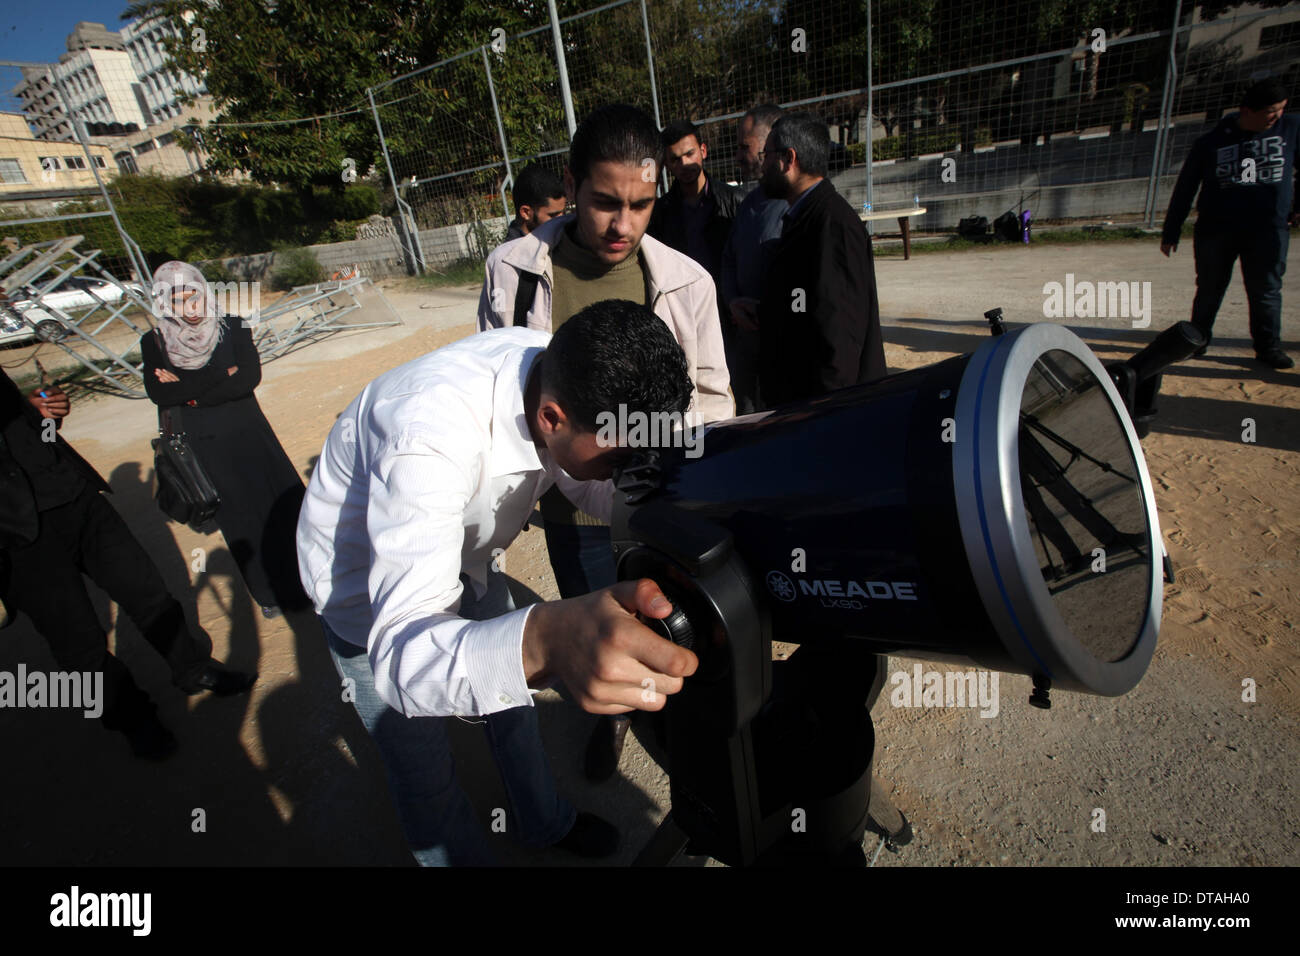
610	661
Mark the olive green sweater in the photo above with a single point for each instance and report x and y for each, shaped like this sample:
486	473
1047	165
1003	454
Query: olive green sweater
580	279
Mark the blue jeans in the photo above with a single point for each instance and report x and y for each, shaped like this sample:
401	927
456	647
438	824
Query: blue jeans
440	824
1263	263
582	557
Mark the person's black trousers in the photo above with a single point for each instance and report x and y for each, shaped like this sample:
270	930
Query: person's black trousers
1263	263
87	536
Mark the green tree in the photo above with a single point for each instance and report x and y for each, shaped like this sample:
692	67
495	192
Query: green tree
303	60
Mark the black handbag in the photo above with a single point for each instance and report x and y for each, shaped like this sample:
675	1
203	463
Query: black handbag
182	488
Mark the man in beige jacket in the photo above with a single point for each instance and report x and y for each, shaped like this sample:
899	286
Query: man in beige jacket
614	199
602	252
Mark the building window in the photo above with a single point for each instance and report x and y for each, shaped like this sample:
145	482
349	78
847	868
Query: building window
126	163
74	162
11	172
145	147
49	163
166	139
1279	35
99	161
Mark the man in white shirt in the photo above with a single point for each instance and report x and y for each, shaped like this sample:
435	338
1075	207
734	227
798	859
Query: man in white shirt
424	481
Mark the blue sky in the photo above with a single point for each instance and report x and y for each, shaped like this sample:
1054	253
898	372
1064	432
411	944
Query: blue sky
36	31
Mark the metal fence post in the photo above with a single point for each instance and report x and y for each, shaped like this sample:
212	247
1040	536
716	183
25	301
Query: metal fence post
501	130
563	68
871	114
1165	121
411	237
134	254
650	59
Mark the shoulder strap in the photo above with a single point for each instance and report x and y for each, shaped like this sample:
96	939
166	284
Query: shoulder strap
524	296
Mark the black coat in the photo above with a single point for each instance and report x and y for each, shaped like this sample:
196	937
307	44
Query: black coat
668	221
18	516
835	341
260	490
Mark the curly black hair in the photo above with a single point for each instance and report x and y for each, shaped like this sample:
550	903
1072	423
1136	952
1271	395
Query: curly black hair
615	352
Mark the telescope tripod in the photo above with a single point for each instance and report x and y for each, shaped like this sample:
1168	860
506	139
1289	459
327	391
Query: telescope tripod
806	757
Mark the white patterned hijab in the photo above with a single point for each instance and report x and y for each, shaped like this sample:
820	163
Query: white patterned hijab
188	346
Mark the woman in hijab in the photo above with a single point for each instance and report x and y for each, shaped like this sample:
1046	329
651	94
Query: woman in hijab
202	367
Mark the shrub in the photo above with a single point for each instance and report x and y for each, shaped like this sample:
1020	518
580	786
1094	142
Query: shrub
337	231
216	271
295	267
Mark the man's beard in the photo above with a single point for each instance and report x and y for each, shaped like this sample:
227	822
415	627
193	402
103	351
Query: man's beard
774	185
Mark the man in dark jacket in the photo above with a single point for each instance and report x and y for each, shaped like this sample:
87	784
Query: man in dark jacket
694	216
54	527
755	234
1245	170
819	321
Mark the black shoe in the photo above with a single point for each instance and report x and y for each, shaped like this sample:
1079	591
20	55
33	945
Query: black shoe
606	747
1202	350
591	837
221	680
1275	358
886	819
150	740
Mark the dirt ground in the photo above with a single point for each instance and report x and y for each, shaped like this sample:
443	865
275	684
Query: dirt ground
1185	770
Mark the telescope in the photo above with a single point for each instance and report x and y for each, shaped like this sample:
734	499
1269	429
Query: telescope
993	509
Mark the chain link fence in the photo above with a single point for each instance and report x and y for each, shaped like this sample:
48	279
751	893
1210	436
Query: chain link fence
454	133
1072	110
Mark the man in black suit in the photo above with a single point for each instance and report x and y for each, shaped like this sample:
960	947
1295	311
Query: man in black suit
819	327
54	527
819	321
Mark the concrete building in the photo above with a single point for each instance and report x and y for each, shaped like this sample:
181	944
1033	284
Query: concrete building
37	171
158	149
161	87
129	100
94	80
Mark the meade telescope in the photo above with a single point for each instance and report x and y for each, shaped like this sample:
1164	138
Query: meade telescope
993	509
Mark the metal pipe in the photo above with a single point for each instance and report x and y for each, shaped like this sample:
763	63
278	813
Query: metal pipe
563	67
871	118
408	244
134	254
650	59
501	130
1166	119
75	215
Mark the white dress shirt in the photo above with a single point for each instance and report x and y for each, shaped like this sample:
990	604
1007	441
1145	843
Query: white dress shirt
427	473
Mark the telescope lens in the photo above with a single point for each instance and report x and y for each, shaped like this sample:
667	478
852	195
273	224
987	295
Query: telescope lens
1083	498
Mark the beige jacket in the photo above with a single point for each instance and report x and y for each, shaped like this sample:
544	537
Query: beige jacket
682	293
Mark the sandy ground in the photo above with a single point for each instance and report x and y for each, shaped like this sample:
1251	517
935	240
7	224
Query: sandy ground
1185	770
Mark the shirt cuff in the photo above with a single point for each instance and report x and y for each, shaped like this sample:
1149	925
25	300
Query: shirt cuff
494	662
